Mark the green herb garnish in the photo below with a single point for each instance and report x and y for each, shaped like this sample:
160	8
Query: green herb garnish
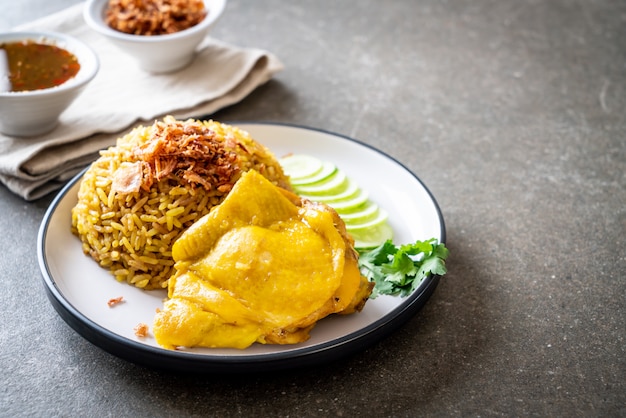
399	270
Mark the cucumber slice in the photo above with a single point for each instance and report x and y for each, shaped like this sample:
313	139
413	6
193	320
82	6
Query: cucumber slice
354	204
332	185
355	227
371	238
300	166
326	171
367	213
349	193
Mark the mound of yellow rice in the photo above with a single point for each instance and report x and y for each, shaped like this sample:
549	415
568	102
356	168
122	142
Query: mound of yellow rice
131	232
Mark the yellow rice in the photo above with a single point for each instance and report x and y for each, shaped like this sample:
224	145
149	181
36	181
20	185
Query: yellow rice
132	234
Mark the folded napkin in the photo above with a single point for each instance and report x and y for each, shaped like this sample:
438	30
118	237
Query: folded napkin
122	96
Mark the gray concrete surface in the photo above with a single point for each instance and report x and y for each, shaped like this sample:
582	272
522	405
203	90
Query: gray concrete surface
512	113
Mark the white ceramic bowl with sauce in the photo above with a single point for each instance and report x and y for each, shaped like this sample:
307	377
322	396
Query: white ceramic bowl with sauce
156	53
36	112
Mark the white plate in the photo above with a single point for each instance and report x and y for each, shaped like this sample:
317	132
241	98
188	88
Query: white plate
79	289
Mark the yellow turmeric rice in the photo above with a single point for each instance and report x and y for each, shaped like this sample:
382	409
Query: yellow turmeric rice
143	193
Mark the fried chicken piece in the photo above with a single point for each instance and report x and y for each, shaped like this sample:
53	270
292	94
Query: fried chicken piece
264	266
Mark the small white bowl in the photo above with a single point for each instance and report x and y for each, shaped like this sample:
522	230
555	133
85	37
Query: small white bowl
156	53
36	112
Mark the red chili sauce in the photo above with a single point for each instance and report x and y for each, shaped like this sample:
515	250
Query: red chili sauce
34	66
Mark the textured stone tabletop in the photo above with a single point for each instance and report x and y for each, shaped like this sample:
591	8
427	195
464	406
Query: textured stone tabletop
513	113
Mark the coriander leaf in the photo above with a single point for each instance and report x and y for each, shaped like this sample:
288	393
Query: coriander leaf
441	251
432	264
400	267
399	270
382	287
418	247
379	254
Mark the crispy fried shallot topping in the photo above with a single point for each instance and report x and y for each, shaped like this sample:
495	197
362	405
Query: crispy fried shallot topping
186	150
141	330
154	17
115	301
128	178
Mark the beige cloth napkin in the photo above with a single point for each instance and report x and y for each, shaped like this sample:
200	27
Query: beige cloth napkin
122	96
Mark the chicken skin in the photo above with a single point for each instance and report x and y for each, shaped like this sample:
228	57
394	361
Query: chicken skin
262	267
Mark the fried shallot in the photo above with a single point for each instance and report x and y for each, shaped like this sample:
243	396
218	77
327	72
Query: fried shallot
191	152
